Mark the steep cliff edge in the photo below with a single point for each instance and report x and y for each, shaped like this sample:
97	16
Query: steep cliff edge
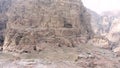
34	25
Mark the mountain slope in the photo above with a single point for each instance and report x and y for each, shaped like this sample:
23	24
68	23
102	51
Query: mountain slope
33	24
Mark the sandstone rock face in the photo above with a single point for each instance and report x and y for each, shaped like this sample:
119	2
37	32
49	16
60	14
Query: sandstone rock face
95	22
33	25
114	34
108	26
101	42
100	26
4	5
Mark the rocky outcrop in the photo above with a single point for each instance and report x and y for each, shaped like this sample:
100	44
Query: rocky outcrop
34	25
101	42
114	34
4	5
53	34
108	26
100	28
95	22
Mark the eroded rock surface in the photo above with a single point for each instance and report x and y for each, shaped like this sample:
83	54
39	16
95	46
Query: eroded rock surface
53	34
35	24
4	6
101	42
106	26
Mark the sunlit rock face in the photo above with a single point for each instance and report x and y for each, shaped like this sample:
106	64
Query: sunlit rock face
106	25
100	41
114	32
112	19
33	25
100	27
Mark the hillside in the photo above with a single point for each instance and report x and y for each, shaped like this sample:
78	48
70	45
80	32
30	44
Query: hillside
53	34
32	24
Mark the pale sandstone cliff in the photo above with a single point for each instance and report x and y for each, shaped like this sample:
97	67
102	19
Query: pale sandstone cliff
107	29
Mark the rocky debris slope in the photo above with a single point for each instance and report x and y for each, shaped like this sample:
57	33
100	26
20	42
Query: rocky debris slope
52	34
83	56
33	25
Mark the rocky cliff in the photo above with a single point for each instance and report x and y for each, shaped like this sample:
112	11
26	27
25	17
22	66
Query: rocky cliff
4	5
33	25
96	20
107	26
52	34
